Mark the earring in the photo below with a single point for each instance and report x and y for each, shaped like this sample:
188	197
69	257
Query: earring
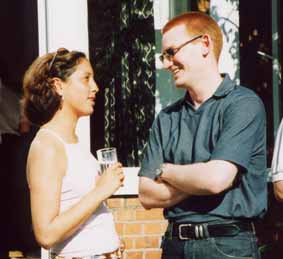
61	101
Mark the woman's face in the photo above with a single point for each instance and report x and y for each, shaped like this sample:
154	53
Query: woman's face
80	89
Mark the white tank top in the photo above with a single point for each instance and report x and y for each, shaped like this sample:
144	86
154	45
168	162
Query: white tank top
98	234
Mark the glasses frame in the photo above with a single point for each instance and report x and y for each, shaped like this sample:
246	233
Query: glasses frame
169	53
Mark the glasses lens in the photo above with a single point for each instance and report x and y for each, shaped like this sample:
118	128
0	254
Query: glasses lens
170	52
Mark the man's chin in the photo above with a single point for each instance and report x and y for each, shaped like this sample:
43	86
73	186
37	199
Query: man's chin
179	85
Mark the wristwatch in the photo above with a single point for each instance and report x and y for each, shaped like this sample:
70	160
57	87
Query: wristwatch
158	173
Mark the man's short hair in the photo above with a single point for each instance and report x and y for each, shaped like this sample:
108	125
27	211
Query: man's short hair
198	23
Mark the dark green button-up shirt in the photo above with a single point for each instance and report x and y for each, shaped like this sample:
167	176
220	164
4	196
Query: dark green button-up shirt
229	126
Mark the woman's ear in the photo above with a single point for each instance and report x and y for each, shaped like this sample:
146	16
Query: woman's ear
58	85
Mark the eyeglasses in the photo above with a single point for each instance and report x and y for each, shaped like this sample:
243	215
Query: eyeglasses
171	52
60	51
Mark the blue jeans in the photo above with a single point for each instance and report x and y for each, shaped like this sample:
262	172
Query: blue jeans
241	246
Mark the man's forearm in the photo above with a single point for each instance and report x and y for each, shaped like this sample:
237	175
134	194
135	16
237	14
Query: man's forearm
208	178
154	194
150	202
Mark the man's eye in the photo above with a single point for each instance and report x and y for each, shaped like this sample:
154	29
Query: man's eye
170	52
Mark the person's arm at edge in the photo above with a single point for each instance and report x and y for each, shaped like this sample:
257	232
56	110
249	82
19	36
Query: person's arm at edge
278	190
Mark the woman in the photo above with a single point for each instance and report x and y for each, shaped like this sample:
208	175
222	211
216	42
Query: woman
67	195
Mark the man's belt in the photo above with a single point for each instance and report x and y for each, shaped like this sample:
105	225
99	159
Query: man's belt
186	231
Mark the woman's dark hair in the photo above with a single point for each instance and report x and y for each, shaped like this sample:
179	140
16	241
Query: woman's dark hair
40	100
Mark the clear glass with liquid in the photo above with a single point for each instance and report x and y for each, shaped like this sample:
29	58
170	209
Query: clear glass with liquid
106	157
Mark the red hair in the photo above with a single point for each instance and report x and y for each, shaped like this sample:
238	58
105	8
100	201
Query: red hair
198	23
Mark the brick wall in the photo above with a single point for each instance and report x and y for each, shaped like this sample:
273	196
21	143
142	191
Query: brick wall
140	229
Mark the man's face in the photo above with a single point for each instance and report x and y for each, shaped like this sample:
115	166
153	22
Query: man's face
186	63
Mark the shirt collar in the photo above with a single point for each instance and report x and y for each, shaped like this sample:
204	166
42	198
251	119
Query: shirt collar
225	87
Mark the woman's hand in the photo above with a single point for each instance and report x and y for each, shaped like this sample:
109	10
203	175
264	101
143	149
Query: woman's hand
121	248
110	181
116	254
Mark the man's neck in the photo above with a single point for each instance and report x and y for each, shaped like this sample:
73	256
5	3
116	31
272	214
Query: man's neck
204	88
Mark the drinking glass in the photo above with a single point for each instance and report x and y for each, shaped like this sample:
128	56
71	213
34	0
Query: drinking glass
106	157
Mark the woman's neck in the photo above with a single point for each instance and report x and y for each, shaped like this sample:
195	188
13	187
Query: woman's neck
65	126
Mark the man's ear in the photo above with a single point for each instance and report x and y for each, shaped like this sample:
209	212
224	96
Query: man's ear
58	85
206	44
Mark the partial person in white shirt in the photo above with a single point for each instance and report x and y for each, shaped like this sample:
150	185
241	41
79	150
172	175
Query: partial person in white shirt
69	215
277	165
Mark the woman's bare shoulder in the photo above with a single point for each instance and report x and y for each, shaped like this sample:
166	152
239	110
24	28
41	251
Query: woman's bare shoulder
46	155
46	145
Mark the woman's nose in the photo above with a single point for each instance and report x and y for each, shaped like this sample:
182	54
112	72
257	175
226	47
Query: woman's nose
94	86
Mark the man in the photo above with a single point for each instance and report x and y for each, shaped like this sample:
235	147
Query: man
205	162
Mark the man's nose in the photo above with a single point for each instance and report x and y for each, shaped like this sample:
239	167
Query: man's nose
167	63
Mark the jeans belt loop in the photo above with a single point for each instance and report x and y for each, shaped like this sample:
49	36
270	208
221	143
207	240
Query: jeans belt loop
169	231
205	230
253	228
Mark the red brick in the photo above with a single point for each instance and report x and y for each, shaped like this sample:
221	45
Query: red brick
129	242
125	215
153	254
147	242
115	203
119	228
132	229
133	202
153	214
153	228
133	255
